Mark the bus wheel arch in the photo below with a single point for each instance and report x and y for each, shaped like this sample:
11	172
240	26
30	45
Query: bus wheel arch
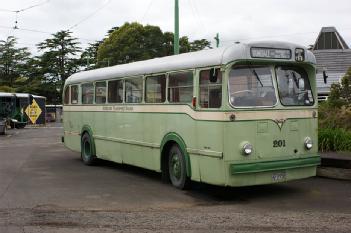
88	151
168	142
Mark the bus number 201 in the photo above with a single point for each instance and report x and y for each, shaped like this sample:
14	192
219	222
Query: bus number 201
279	143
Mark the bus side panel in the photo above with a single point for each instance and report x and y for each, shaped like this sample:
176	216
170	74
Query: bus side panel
135	149
209	143
72	131
106	148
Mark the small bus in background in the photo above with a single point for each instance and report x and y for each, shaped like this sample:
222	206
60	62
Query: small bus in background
235	116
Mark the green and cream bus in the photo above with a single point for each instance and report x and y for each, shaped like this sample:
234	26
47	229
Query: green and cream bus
235	116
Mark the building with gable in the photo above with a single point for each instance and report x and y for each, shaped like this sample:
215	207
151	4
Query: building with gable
333	57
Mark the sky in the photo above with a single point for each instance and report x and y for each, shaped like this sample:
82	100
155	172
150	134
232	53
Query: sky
297	21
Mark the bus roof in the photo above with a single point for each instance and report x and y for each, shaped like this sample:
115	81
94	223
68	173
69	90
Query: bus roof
6	94
21	95
203	58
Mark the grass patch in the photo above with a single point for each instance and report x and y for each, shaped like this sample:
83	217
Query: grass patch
334	139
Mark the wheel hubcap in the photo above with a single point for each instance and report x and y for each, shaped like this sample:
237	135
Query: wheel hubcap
86	149
176	166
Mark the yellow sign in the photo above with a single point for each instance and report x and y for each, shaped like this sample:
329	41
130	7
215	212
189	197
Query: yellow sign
33	111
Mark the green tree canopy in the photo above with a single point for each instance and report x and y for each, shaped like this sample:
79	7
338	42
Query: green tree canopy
89	56
131	42
340	94
61	56
134	42
13	61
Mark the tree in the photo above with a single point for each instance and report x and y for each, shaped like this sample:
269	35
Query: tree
197	45
60	58
89	56
340	94
131	42
134	42
13	61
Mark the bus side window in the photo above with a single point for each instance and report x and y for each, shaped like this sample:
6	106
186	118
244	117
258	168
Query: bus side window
66	96
155	88
210	91
180	87
115	91
134	90
74	94
87	93
100	92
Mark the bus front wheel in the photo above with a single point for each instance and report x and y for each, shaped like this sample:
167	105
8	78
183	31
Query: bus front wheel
177	168
87	155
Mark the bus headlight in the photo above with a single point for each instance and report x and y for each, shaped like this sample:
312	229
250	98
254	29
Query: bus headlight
247	149
308	143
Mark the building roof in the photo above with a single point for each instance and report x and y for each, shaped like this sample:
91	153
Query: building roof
329	38
334	60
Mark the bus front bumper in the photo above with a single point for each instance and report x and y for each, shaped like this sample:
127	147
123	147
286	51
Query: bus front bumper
265	166
270	172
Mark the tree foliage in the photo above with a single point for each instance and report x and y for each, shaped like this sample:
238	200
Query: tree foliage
131	42
13	61
89	56
134	42
340	93
60	58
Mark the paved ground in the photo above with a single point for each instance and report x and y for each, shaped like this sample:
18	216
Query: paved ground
45	188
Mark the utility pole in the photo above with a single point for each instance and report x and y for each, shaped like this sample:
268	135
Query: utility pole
176	27
217	40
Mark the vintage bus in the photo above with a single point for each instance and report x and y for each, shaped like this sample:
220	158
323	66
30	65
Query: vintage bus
12	107
235	116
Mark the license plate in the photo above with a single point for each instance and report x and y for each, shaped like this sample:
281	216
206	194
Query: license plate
279	176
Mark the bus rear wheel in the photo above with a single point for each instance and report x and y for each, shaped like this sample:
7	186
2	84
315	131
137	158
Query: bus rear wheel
177	168
87	155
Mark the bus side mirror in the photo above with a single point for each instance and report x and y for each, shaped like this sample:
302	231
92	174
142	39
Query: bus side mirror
31	99
325	76
213	75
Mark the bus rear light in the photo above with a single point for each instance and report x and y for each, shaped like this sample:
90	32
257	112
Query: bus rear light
194	102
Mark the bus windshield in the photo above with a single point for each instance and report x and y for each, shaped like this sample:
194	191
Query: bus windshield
293	86
251	87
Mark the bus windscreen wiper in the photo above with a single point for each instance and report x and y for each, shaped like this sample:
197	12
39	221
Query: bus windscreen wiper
257	77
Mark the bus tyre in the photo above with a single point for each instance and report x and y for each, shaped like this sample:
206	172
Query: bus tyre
177	168
87	155
3	132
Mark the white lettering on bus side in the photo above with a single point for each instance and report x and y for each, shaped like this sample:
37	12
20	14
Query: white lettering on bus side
118	108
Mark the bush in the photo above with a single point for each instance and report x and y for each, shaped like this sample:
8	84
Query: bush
334	117
336	139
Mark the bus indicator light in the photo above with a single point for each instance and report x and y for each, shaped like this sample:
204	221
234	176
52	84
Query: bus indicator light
270	53
299	54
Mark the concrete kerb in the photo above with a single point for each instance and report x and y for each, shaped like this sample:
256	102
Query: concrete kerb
335	165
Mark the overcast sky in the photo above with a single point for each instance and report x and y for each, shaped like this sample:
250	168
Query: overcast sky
297	21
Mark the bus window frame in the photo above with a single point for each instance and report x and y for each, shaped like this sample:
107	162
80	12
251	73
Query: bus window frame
142	77
247	64
81	95
123	90
223	71
106	94
70	94
68	87
166	87
297	67
193	71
